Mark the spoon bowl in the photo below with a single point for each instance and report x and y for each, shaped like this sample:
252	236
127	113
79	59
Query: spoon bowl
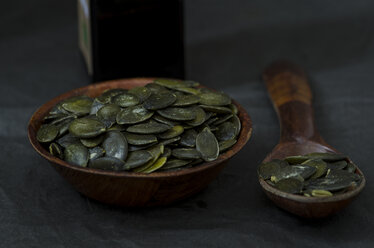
291	96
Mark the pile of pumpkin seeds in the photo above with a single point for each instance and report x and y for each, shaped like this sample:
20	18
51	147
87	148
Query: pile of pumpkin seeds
314	174
165	125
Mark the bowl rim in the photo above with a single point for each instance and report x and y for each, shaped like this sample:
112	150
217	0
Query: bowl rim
244	135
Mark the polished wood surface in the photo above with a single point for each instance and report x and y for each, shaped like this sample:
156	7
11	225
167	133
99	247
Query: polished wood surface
134	189
291	95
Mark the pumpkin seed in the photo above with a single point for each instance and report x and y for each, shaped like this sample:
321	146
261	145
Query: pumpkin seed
185	153
226	144
305	171
214	99
319	164
92	142
150	127
296	159
79	105
216	109
320	193
222	119
155	88
226	131
266	170
199	117
172	132
327	157
163	120
96	152
186	100
56	150
167	152
106	163
156	165
86	128
47	133
188	138
233	108
178	114
170	141
207	145
108	112
156	152
290	185
67	140
175	163
106	96
189	90
329	184
133	148
76	154
160	100
142	93
136	159
96	105
351	168
173	84
133	115
140	139
115	145
125	100
338	165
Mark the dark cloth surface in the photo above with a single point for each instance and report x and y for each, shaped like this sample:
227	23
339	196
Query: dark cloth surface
228	43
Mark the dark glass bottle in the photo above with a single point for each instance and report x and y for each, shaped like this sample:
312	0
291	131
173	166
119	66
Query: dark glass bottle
132	38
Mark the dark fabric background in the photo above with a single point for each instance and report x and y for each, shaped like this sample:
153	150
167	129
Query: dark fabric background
228	43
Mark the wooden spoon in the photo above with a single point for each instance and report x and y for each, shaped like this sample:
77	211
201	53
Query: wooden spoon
292	99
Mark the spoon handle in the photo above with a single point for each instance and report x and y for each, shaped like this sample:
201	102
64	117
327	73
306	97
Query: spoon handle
291	95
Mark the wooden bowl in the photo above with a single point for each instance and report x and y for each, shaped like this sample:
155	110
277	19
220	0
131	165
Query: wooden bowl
128	188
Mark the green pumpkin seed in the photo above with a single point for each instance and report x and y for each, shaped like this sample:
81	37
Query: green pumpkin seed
133	115
163	120
159	101
47	133
133	148
58	109
174	84
319	164
290	185
96	105
79	105
320	193
327	157
266	170
117	127
108	112
225	145
189	90
216	109
172	132
76	154
142	93
107	95
296	159
304	171
178	114
125	100
155	88
115	145
86	128
338	165
226	131
185	153
175	163
329	184
96	152
188	138
214	99
233	108
56	150
200	117
156	152
167	152
207	145
237	124
222	119
156	165
186	100
67	140
150	127
343	174
140	139
63	126
92	142
136	159
170	141
106	163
